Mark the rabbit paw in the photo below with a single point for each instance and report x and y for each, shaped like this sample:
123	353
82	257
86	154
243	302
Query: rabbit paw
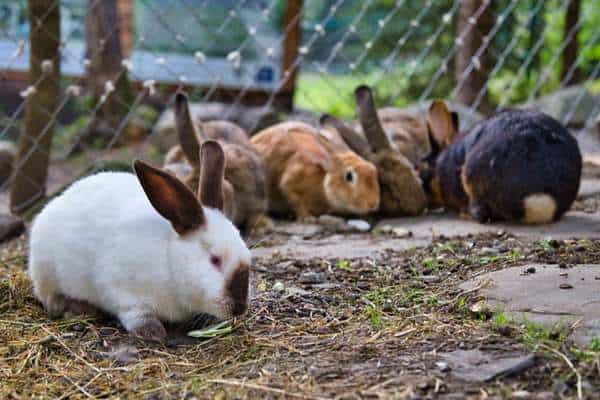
152	330
145	327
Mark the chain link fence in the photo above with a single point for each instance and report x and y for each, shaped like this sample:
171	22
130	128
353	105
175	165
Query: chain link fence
87	85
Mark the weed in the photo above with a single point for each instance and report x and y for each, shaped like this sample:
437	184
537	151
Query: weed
344	265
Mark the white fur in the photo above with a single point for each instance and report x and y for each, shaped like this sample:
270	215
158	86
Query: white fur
102	241
540	208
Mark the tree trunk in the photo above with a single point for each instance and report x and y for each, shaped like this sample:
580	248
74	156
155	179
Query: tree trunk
473	38
33	149
570	73
105	54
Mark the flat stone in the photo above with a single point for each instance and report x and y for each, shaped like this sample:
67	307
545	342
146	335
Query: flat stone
10	227
589	188
540	297
573	224
479	366
337	246
299	229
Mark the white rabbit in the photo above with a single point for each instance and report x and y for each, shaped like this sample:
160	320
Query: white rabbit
143	253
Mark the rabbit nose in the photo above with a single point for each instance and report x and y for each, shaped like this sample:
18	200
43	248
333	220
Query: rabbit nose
237	289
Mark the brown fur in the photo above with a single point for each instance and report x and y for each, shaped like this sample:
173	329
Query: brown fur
245	183
212	162
237	289
170	197
401	187
407	132
305	172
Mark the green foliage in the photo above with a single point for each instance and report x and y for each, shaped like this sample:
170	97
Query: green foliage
344	265
501	320
595	344
374	317
531	35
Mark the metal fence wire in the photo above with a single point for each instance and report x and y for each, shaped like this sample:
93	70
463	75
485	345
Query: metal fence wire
87	84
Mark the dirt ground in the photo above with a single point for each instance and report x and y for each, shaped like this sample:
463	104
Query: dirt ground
387	326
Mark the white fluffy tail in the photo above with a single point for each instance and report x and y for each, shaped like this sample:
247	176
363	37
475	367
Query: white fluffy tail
540	208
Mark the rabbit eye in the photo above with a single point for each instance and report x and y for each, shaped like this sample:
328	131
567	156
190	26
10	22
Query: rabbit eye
216	261
349	176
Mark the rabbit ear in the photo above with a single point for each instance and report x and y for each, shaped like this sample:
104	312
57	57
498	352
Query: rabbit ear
434	152
440	123
369	120
186	131
170	197
455	121
349	135
212	171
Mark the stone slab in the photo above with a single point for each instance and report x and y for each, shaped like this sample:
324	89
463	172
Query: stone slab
478	366
338	246
589	188
573	225
551	296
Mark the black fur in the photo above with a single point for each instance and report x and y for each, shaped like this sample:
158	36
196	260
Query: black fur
507	158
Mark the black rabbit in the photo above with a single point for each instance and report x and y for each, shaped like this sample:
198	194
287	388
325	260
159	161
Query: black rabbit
519	165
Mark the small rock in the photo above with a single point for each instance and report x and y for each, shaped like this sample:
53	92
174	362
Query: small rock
278	287
565	286
386	229
442	366
431	278
311	277
401	232
530	270
359	224
545	396
481	308
78	327
488	251
564	274
521	394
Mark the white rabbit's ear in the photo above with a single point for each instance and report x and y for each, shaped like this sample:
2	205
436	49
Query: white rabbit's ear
170	197
212	171
186	132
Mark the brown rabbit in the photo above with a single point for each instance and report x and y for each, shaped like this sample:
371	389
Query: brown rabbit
406	132
401	188
245	186
519	165
309	176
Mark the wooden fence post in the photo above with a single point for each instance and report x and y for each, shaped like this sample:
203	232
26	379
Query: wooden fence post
475	19
571	52
35	139
292	30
